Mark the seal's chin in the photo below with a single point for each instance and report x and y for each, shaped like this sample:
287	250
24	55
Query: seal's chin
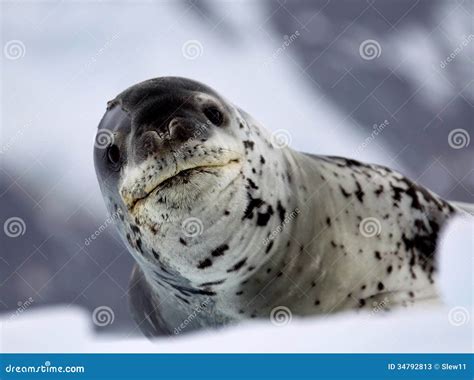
189	184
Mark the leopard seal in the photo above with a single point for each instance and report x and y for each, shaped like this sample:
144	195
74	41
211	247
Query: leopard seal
226	224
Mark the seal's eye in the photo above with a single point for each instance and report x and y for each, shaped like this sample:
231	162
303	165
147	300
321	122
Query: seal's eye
113	155
214	115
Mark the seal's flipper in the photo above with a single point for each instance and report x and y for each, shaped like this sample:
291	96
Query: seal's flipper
142	306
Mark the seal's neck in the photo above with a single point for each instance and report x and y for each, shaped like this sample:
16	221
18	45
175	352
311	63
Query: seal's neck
249	232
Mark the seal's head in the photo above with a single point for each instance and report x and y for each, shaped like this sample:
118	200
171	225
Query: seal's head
175	163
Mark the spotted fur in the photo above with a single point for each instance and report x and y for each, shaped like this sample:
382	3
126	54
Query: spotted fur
272	226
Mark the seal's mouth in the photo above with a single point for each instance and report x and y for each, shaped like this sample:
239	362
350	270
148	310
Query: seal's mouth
180	177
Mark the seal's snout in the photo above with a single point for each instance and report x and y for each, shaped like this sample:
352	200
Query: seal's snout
172	132
168	133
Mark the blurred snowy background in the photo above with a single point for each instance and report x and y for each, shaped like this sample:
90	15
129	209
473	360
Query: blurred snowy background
388	81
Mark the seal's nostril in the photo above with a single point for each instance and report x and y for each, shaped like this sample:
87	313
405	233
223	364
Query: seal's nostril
150	142
174	126
180	128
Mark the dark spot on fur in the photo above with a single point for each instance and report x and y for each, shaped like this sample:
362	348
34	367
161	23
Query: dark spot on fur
419	224
139	245
248	144
182	241
181	298
253	203
237	266
219	282
263	218
380	286
328	221
281	211
129	239
205	263
154	229
269	247
359	193
262	160
252	184
348	162
344	192
219	251
206	292
397	193
190	291
378	256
